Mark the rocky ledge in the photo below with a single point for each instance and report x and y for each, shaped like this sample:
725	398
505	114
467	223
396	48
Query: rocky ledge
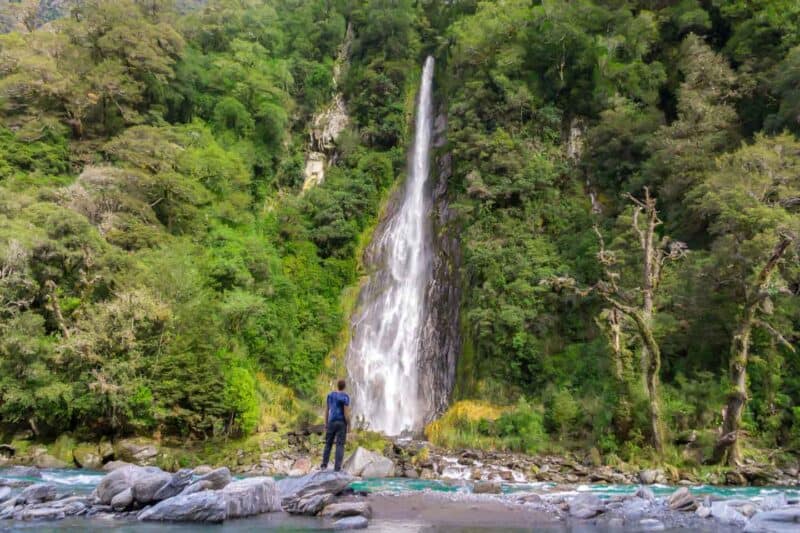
148	493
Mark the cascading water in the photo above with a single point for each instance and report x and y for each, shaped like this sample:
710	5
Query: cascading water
383	358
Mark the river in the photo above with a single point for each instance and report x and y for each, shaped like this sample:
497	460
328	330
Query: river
403	505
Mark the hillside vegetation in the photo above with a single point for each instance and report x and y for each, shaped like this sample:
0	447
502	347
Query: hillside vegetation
626	178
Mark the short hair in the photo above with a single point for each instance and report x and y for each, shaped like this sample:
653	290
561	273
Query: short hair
340	384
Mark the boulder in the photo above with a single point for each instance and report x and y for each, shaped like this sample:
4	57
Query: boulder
21	471
106	451
5	493
205	506
585	506
726	513
197	486
703	511
136	451
238	499
251	496
380	468
45	460
633	508
309	494
344	509
123	500
351	522
365	463
115	465
202	470
38	493
147	483
87	456
682	500
649	477
778	521
143	481
645	493
177	483
40	513
217	479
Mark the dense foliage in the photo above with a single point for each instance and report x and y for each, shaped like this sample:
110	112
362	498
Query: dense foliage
161	271
559	111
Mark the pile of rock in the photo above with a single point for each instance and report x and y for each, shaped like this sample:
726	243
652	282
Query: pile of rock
315	494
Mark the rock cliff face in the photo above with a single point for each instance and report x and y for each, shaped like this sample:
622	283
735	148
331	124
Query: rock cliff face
441	335
327	125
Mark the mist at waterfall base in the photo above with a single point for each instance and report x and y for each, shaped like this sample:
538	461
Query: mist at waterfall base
383	358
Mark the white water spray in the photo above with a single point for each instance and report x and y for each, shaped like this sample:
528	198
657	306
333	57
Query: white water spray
384	353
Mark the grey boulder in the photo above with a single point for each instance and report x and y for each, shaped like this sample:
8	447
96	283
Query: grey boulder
147	483
5	493
137	451
251	496
239	499
177	483
197	486
309	494
115	465
123	500
365	463
351	522
344	509
38	493
585	506
143	482
40	513
217	479
682	500
649	477
778	521
199	507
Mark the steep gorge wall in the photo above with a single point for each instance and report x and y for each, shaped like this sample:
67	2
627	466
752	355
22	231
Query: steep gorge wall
441	335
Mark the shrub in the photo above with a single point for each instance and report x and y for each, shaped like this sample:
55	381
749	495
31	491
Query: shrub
461	425
522	429
561	410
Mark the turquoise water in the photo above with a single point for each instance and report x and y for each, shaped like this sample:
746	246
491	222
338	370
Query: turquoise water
84	481
601	490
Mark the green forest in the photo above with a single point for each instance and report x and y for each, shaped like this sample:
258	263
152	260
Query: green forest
625	178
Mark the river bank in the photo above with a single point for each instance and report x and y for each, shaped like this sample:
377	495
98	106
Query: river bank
298	452
75	500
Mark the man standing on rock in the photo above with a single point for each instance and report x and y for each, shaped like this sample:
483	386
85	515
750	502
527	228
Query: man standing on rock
337	418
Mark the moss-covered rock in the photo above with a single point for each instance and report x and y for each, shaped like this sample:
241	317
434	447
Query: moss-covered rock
62	448
87	456
139	451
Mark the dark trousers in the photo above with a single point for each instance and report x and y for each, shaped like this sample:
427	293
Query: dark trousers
337	430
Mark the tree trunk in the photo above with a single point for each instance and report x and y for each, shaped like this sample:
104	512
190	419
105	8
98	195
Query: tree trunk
728	447
651	379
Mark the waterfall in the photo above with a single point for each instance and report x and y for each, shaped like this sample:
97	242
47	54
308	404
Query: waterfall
385	351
